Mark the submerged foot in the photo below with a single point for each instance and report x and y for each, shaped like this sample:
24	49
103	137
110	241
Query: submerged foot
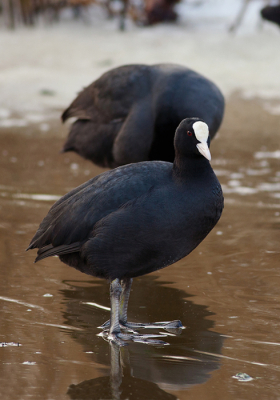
174	327
122	339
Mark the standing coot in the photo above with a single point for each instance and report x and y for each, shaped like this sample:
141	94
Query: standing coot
130	113
136	219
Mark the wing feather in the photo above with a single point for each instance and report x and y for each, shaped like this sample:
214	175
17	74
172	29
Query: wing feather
72	218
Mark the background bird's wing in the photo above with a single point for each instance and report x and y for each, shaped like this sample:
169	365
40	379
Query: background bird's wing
112	94
117	106
134	139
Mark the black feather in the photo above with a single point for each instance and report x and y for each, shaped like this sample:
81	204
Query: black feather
49	250
137	218
130	113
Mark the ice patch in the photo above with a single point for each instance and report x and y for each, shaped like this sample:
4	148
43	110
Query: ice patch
267	154
234	183
74	166
242	190
221	172
242	377
272	109
5	113
40	197
22	303
9	344
44	127
267	94
35	118
257	172
236	175
13	122
97	305
269	187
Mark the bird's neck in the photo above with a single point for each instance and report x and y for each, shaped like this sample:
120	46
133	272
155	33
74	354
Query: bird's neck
191	167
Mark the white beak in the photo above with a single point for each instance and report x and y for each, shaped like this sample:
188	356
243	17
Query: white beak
204	150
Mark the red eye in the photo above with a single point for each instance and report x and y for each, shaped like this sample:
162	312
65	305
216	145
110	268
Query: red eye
189	133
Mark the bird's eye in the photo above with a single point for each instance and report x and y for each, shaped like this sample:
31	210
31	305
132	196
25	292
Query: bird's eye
189	133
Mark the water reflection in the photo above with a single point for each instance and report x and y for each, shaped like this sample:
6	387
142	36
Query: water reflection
141	371
120	385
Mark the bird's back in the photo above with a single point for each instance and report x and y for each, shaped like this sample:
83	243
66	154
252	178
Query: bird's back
72	218
130	113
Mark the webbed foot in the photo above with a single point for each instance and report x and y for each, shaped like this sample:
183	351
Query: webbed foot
122	339
175	326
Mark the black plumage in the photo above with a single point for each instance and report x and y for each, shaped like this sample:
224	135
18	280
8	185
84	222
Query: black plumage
137	218
130	113
271	13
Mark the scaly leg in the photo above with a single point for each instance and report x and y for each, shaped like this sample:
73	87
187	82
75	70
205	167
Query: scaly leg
168	325
115	334
126	287
171	326
119	293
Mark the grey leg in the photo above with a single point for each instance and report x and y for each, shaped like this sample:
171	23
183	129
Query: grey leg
115	295
115	334
119	293
171	326
126	287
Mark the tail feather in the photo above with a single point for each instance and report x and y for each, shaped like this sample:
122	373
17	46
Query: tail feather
49	250
40	238
74	112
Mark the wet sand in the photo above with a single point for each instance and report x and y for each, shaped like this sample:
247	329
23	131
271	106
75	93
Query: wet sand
226	292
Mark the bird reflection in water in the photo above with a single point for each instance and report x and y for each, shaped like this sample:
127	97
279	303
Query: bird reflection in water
137	371
120	385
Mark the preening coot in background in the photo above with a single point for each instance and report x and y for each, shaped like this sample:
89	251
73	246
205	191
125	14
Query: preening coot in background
130	113
136	219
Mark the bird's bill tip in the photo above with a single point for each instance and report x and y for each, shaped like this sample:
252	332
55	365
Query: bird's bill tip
204	150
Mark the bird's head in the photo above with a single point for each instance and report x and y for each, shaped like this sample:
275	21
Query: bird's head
192	138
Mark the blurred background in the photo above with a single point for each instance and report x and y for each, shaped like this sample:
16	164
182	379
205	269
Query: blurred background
47	58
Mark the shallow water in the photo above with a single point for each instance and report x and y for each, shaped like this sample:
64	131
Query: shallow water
226	293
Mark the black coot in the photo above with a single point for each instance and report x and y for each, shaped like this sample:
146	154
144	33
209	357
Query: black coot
130	113
136	219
